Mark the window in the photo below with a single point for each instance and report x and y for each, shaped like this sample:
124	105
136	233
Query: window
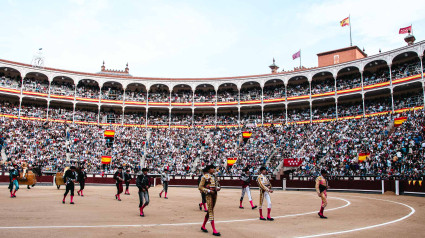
336	59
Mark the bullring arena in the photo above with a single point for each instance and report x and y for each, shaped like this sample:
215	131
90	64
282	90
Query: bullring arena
39	213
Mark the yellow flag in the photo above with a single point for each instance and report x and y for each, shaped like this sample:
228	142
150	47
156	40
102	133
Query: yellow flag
410	181
420	182
414	181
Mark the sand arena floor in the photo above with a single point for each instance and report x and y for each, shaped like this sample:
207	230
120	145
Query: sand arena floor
39	212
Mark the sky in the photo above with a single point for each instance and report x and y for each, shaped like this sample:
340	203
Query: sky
193	38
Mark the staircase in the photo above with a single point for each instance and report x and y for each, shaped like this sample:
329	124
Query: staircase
3	155
142	161
196	165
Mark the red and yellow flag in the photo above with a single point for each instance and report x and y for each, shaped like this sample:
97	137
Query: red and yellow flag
345	22
231	161
363	156
106	159
399	120
246	134
109	133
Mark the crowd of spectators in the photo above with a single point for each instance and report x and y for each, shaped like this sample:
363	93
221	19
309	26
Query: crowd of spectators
135	96
88	91
205	96
274	91
10	82
332	145
110	93
248	94
392	151
322	86
36	86
182	96
299	89
227	95
62	88
159	96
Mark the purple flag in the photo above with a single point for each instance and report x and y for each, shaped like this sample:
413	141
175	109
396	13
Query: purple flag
296	55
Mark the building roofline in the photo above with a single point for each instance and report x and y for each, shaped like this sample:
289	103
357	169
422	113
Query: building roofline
343	49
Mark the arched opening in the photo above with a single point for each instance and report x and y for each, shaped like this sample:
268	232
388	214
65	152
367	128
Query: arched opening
351	105
9	105
227	116
227	92
204	117
158	116
62	86
86	112
181	117
32	107
59	110
135	92
182	93
159	93
298	86
322	82
408	96
378	101
274	89
348	78
274	114
135	115
376	72
112	91
251	91
10	78
251	115
110	114
88	88
324	109
298	112
405	65
36	82
205	93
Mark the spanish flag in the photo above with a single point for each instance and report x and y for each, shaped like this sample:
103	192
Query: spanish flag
399	120
363	156
231	161
106	159
246	134
109	133
345	22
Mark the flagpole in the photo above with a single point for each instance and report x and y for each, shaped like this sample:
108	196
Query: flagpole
349	19
300	58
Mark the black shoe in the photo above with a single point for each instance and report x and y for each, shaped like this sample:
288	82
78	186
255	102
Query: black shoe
166	198
321	216
142	215
71	203
200	207
28	187
204	230
241	207
116	197
254	207
270	219
262	218
78	192
217	234
63	202
160	195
